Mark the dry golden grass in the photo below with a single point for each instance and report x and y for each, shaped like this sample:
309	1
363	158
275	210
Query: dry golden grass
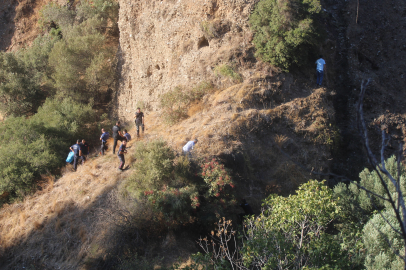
61	212
280	139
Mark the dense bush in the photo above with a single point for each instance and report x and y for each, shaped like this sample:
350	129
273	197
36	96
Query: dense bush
218	182
39	144
23	77
49	82
83	65
294	230
163	180
363	232
167	183
289	234
381	242
176	102
285	31
227	71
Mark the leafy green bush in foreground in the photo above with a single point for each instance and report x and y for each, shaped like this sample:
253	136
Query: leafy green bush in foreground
172	190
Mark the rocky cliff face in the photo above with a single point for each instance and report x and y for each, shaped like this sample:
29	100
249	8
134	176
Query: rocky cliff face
164	44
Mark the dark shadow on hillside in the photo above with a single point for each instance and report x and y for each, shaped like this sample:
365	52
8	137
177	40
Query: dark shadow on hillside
99	236
66	238
7	24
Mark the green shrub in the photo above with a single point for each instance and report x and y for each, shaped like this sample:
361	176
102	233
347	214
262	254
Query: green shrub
106	10
163	181
20	90
290	233
293	228
381	241
176	102
371	181
39	144
227	71
285	31
358	209
59	15
218	182
172	190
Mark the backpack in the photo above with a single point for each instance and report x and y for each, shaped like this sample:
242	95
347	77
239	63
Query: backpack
69	159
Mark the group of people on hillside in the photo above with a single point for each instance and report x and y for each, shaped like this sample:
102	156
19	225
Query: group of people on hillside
80	150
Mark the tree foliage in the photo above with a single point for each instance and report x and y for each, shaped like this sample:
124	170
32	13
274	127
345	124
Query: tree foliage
290	233
23	76
382	242
285	31
362	227
40	144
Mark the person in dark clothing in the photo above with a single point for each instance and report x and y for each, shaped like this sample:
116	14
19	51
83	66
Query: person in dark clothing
105	135
85	150
120	154
247	211
117	136
127	135
139	121
77	154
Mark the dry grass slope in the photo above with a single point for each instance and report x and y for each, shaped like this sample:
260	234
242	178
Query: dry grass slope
59	222
62	225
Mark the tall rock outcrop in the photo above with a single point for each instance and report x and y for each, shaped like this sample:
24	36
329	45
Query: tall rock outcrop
164	44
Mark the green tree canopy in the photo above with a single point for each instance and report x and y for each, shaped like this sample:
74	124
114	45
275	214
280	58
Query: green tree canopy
285	31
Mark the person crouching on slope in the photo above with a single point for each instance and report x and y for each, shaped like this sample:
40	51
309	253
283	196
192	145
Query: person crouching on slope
117	136
103	138
188	148
120	154
77	154
127	135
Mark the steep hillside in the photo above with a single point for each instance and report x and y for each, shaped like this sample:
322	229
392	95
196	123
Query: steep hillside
366	42
18	23
76	221
164	44
270	128
169	44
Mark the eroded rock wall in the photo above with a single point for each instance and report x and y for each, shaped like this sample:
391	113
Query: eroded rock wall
164	44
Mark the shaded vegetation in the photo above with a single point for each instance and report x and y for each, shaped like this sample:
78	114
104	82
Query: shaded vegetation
286	31
48	90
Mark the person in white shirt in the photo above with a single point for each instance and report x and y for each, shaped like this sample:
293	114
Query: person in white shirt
189	147
321	66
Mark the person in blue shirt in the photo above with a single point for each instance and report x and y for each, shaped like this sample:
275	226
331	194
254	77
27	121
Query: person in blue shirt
103	138
77	151
321	66
120	154
127	135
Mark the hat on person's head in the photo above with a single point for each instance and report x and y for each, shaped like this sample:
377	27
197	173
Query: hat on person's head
195	140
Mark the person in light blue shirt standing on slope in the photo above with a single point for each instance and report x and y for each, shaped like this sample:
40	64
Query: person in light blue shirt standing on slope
321	66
